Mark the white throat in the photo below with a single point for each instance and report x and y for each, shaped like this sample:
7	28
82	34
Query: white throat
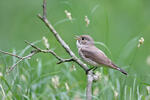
78	45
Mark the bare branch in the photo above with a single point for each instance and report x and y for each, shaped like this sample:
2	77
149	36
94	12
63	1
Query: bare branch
65	60
61	60
37	50
14	65
62	42
21	59
32	45
44	9
89	86
90	75
90	78
10	54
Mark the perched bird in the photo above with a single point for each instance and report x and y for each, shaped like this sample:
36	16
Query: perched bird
92	55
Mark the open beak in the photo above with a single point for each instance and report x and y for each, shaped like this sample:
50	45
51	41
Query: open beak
77	37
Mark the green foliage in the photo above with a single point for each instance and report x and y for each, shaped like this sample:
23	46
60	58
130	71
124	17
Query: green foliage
117	25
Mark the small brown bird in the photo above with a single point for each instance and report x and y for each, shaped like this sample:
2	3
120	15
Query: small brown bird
92	55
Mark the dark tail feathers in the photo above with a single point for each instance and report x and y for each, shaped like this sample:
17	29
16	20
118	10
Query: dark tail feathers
121	70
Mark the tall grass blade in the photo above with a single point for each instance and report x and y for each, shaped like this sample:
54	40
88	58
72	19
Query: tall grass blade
128	48
39	67
3	92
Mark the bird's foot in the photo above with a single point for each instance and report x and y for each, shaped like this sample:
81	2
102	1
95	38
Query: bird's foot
93	68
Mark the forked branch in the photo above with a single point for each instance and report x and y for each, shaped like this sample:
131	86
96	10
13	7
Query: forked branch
59	39
90	76
33	52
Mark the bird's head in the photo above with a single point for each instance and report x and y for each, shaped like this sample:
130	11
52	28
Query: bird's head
84	40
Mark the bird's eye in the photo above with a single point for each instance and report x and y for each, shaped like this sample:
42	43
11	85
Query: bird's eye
83	38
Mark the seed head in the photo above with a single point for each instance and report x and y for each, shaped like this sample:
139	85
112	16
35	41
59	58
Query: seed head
68	14
46	42
141	41
55	81
87	21
67	86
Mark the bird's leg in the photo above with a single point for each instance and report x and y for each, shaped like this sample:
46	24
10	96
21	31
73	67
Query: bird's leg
93	68
89	70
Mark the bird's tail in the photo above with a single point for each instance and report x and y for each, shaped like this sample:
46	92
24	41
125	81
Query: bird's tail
117	68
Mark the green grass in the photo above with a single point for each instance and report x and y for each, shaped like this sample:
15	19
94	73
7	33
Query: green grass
116	26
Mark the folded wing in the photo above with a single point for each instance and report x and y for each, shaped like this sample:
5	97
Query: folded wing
96	55
99	57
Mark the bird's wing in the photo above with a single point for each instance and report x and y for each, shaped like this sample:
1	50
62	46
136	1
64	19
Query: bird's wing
99	57
96	55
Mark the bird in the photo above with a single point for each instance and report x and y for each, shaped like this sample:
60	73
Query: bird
92	55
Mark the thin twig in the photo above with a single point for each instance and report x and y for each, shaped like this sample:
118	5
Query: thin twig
21	59
44	9
10	54
65	60
37	50
14	65
61	60
32	45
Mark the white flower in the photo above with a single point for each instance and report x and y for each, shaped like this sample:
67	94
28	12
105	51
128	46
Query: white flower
55	81
87	21
67	86
141	41
46	42
68	14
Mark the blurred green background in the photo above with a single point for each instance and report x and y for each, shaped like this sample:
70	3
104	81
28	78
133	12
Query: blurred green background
119	24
